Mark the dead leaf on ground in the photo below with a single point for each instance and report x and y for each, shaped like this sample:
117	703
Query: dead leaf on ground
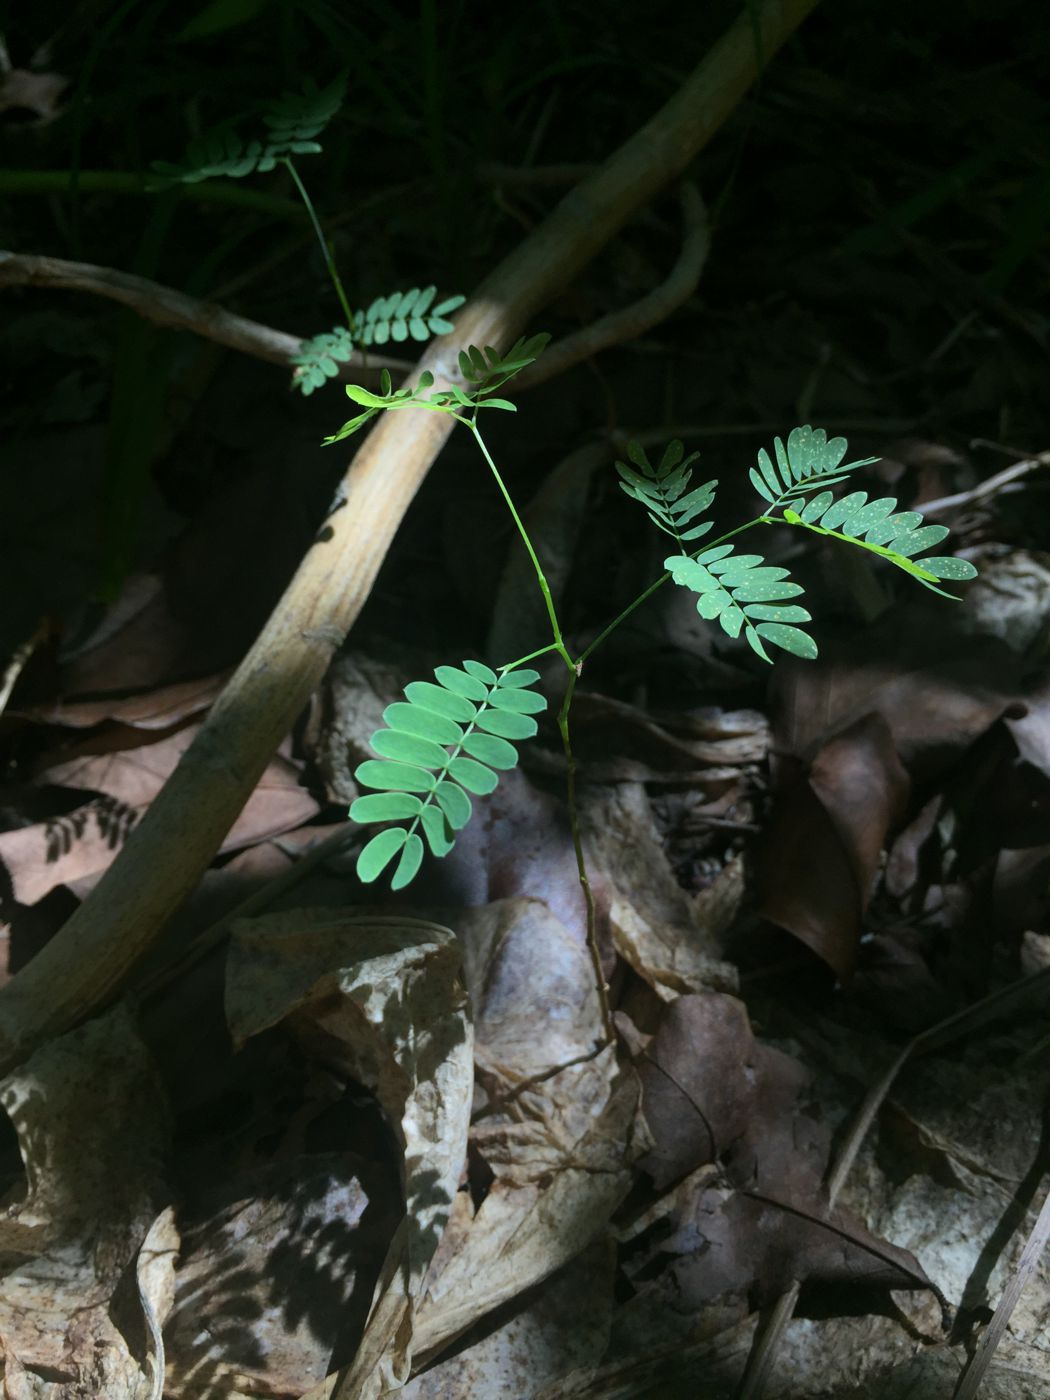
155	709
551	1150
933	686
376	1000
826	835
85	841
667	938
533	1345
92	1122
711	1092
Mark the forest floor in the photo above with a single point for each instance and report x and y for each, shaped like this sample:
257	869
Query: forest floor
820	1138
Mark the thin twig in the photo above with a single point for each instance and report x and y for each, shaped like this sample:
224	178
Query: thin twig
973	1372
533	176
634	320
1007	1000
987	488
167	307
231	193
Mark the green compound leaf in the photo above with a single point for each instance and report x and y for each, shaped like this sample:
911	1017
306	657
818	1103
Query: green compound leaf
736	589
444	742
497	753
398	317
397	777
663	490
488	370
402	316
810	461
950	568
294	121
462	683
877	526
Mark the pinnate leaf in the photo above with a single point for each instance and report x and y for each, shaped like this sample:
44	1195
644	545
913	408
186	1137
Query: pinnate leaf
444	741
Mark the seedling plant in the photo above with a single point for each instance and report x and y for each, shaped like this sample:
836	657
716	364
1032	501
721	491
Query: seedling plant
448	741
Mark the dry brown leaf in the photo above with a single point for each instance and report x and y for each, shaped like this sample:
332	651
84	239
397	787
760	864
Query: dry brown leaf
934	687
85	841
826	835
377	1000
698	1084
656	927
561	1326
714	1092
92	1123
279	1269
157	709
555	1151
39	93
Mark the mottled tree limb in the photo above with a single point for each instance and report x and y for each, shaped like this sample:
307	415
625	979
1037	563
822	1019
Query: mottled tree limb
167	307
641	315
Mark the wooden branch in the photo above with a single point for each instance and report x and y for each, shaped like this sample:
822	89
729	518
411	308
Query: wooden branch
88	962
641	315
167	307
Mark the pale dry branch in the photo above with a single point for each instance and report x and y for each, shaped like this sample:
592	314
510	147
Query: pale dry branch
167	307
88	962
634	320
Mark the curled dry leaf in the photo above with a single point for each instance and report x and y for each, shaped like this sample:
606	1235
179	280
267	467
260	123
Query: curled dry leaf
935	689
829	825
656	927
554	1147
280	1264
36	93
376	1000
710	1091
556	1329
155	709
84	842
92	1125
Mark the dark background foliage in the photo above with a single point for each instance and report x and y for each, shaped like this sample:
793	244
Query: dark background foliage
878	263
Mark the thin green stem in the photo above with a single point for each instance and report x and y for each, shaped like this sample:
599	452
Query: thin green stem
608	1030
541	578
333	272
622	617
558	645
542	651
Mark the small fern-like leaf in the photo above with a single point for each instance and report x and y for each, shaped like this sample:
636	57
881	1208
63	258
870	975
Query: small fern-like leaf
663	490
810	461
294	122
737	590
441	744
404	316
297	118
319	358
896	536
488	370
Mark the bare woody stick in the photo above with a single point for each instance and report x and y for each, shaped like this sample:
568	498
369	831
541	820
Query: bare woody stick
167	307
88	961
